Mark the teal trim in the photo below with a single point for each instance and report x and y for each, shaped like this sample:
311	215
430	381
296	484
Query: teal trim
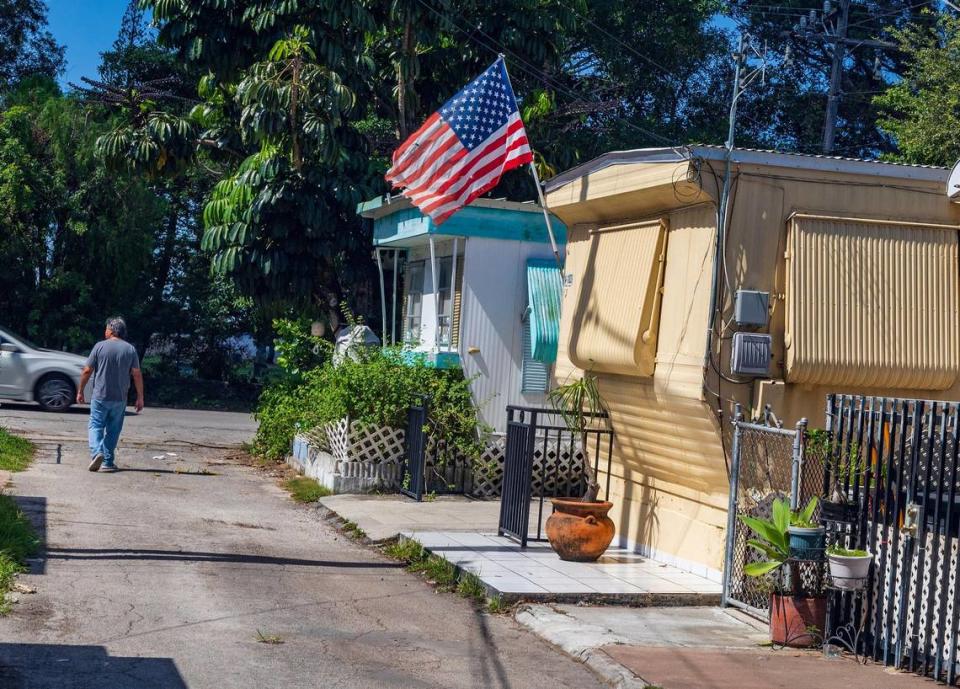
432	359
406	225
544	294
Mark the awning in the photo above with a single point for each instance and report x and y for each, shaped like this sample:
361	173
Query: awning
545	294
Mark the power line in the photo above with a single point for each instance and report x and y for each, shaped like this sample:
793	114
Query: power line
496	47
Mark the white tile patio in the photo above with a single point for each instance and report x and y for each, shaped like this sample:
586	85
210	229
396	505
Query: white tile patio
535	572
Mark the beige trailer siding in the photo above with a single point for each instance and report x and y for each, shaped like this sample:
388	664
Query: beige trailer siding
667	485
669	477
871	303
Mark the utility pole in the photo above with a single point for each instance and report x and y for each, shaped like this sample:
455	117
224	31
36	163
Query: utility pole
743	77
836	74
830	28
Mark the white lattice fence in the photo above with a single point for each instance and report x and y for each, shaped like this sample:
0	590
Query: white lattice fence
373	456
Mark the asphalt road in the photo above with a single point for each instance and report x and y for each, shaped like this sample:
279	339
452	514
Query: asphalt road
165	574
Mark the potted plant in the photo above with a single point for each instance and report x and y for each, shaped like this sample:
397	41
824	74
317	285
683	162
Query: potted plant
844	469
580	530
797	616
806	536
848	567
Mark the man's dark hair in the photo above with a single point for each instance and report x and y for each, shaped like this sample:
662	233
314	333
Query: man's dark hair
118	327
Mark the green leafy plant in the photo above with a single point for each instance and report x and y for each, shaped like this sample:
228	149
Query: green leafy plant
375	387
580	405
804	518
840	551
772	541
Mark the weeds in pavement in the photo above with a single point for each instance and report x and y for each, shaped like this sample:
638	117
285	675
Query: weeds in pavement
405	550
443	573
353	530
15	452
496	605
195	472
470	586
273	639
303	489
17	542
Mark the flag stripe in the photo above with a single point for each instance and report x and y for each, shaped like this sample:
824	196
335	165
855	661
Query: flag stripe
433	120
410	165
425	168
456	178
514	158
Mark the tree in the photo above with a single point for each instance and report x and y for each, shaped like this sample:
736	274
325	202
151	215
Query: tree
788	113
26	47
921	112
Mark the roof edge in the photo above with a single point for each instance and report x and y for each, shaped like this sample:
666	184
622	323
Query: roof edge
748	156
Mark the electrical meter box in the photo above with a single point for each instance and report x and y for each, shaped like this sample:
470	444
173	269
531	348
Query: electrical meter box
751	307
751	354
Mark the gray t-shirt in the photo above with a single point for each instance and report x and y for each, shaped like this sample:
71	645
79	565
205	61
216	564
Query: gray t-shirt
112	360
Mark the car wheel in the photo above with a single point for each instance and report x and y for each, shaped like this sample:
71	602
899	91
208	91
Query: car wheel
55	393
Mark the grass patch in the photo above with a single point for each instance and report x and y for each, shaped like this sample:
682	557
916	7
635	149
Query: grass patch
470	586
15	452
406	551
303	489
17	542
443	574
353	530
496	606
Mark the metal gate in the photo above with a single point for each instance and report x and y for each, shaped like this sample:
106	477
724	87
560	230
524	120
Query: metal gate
538	440
413	475
766	465
894	463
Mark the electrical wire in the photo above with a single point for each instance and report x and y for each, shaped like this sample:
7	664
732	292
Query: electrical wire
496	47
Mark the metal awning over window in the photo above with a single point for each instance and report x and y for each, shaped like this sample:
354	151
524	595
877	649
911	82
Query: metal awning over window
544	294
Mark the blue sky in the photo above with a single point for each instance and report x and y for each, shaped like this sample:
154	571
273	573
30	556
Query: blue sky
86	29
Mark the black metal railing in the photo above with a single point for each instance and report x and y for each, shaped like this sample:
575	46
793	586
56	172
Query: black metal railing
415	446
537	446
892	464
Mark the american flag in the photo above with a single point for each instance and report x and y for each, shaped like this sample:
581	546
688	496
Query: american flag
464	148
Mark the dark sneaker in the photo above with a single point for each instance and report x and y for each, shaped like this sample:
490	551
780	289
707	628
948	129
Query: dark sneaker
96	462
108	469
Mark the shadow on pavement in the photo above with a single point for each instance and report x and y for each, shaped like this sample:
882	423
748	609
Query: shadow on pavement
189	556
56	666
35	508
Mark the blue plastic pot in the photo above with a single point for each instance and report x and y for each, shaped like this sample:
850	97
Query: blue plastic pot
806	544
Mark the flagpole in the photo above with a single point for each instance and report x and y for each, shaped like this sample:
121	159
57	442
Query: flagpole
546	216
536	181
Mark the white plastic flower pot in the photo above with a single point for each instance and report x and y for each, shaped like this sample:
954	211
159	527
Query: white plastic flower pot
849	572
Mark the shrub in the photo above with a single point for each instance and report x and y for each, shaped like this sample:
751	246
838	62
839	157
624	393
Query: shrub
376	387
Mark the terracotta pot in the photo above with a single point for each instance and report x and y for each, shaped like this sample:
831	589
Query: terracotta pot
580	531
797	621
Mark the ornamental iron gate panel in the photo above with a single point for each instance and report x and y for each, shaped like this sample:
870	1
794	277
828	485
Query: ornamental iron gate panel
413	476
892	464
766	465
539	442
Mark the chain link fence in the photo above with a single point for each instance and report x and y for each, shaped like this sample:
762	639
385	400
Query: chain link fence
767	465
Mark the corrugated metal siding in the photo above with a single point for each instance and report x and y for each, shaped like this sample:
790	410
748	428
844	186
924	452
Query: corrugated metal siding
871	303
544	296
616	302
457	301
494	299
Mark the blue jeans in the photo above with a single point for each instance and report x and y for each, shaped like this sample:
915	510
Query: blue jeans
106	422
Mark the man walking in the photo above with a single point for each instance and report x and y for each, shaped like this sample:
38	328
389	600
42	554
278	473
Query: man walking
112	363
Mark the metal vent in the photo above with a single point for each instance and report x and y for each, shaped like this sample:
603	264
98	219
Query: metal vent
750	307
751	354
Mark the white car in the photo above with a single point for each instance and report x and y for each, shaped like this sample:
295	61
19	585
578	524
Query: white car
31	374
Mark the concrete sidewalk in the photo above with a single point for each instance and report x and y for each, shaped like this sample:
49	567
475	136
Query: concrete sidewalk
464	531
695	648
